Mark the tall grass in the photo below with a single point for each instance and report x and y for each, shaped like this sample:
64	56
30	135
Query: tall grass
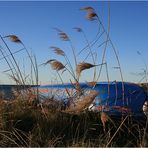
25	121
23	124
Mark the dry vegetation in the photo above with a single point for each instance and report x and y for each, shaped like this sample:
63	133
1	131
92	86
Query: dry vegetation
31	125
25	121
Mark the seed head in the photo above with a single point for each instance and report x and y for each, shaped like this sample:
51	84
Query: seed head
83	66
78	29
87	8
58	51
56	65
91	16
63	36
13	38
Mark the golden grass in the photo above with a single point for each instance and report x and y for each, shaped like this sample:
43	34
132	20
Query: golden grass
58	51
83	66
82	104
13	38
104	119
64	36
91	16
56	65
87	8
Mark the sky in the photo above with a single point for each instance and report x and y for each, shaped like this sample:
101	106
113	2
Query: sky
33	23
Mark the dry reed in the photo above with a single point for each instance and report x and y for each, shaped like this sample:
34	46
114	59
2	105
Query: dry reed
64	36
56	65
82	104
78	29
87	8
83	66
91	84
58	51
13	38
104	119
91	16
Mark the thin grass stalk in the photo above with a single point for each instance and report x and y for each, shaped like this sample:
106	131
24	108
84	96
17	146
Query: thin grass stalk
7	61
73	50
19	71
37	76
65	37
105	48
116	132
76	134
31	75
116	55
141	79
72	74
16	74
92	43
114	49
70	66
60	69
118	61
96	37
87	57
93	14
98	47
12	53
4	135
15	39
32	63
23	133
108	84
145	71
19	138
90	50
75	59
60	52
116	93
23	71
5	57
145	135
63	84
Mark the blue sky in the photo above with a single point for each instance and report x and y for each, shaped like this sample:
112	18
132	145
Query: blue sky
33	22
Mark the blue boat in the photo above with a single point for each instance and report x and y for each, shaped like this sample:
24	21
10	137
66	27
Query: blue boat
116	98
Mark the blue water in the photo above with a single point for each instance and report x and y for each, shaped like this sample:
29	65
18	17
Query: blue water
111	95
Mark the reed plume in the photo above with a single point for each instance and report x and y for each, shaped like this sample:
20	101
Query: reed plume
13	38
87	8
104	119
82	104
83	66
89	47
16	39
58	51
56	65
91	16
63	36
78	29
